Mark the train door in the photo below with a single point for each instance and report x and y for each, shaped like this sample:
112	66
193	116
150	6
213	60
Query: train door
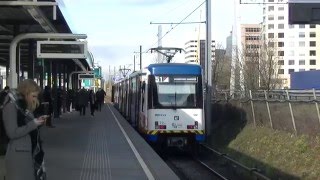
142	107
127	99
137	100
133	100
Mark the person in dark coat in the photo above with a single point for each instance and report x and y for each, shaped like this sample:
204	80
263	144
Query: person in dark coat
100	94
83	99
92	101
47	97
22	131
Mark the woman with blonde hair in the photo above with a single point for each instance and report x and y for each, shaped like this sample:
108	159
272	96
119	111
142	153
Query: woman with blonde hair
22	128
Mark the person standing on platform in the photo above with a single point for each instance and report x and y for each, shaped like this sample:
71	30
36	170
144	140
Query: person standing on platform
100	98
83	101
48	98
92	101
24	151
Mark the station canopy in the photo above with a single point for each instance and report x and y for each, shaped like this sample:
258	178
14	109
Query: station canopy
16	19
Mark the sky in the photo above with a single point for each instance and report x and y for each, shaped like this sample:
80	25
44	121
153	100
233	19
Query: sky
117	28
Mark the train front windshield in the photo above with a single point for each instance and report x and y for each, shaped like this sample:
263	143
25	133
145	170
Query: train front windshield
175	92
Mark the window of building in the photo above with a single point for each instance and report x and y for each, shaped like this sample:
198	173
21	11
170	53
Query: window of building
312	53
270	35
270	26
291	62
271	17
271	44
302	62
270	0
280	35
280	8
302	26
302	44
291	44
271	8
280	17
312	44
291	53
280	62
280	53
280	44
302	35
280	71
301	70
312	62
312	34
291	36
291	71
312	26
312	69
291	26
280	26
302	54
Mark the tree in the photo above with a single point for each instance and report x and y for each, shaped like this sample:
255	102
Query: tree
256	66
221	67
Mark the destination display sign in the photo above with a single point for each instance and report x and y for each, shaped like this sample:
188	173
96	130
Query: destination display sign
62	49
85	76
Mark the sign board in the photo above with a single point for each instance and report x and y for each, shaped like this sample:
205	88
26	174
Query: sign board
276	1
62	49
86	83
304	11
85	76
263	1
97	72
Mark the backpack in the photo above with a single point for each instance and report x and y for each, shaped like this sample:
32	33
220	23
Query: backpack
4	139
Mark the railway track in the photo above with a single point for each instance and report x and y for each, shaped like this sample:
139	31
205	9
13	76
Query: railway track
187	167
232	169
209	164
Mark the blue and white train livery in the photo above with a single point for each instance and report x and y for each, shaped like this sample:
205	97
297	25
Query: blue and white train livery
164	102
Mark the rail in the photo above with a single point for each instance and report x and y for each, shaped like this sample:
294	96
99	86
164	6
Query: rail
255	171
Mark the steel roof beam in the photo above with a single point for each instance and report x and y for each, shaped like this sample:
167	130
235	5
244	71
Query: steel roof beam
12	79
27	3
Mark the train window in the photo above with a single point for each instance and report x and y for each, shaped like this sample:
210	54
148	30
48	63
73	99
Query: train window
175	92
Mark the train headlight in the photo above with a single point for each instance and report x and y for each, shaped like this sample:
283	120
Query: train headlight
156	125
196	124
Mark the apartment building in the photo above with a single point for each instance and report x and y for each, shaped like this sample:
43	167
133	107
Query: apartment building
251	37
297	46
195	51
250	52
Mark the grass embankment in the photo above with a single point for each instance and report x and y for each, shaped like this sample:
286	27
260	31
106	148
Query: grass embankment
277	151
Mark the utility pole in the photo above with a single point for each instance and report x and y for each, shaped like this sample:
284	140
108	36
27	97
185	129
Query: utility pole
134	63
159	42
208	70
140	57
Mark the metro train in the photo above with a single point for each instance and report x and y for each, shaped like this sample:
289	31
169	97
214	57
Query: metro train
164	102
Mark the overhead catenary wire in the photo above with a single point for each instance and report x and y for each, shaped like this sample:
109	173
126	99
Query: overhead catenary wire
181	22
172	10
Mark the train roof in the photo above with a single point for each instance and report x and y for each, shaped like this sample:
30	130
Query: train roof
174	69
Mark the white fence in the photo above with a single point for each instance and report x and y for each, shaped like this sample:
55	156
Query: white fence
282	102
